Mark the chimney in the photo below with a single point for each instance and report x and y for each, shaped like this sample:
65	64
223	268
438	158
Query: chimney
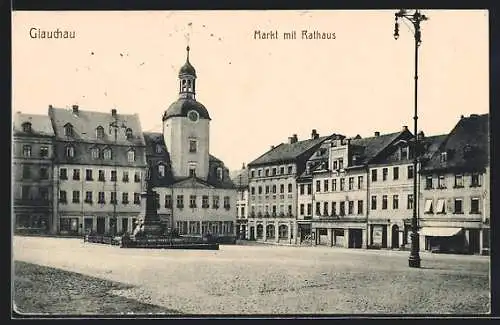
420	135
314	134
461	116
377	133
113	112
243	167
272	146
292	139
50	106
405	127
75	109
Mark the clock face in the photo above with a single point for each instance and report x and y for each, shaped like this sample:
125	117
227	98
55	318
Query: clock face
193	116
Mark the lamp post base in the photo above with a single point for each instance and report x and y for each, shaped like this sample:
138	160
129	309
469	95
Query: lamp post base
414	260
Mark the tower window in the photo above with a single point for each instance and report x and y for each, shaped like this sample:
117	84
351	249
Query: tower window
193	146
161	170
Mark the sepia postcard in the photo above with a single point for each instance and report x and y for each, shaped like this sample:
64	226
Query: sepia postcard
250	163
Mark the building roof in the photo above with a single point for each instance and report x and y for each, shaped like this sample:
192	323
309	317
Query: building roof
287	151
187	68
369	148
152	140
240	177
85	123
431	144
40	124
466	146
182	106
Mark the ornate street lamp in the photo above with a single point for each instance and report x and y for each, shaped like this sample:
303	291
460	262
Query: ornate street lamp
415	19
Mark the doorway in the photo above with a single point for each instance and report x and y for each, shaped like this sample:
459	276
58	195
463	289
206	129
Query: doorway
395	236
474	241
101	225
252	233
124	225
88	224
355	238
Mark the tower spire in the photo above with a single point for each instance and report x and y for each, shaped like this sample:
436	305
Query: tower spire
187	56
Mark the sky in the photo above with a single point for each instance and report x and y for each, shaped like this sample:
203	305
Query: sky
258	91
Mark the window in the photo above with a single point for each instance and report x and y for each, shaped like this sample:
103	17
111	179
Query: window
325	208
385	171
440	208
252	173
26	151
88	197
325	185
410	201
274	210
193	146
99	132
88	175
226	202
474	205
341	163
204	202
26	192
161	170
342	184
342	208
113	198
374	175
267	172
441	182
260	189
192	201
44	151
410	172
158	148
259	172
274	171
70	151
282	170
26	172
428	182
318	208
309	209
374	202
68	130
302	209
274	188
62	197
384	202
44	193
131	156
301	189
63	173
125	177
395	202
26	127
443	157
107	154
128	133
267	189
318	186
219	173
334	208
44	173
100	198
180	201
76	174
309	189
94	153
137	177
76	197
215	202
360	207
475	180
458	206
428	206
360	182
351	183
113	175
192	171
125	198
137	198
404	153
334	185
101	175
290	169
335	165
282	188
395	173
459	181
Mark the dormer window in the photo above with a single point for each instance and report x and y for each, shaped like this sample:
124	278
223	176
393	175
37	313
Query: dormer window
26	127
99	133
70	151
443	156
128	133
131	155
161	170
95	153
107	154
158	148
68	130
219	173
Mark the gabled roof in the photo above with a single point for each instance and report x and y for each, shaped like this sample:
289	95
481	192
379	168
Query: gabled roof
240	177
85	123
431	144
40	124
287	152
466	146
369	148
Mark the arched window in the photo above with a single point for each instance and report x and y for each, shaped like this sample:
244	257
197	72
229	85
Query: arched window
68	130
161	170
107	154
26	127
70	151
95	153
99	132
128	133
131	155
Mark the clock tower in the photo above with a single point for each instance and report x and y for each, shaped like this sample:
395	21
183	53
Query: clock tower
186	128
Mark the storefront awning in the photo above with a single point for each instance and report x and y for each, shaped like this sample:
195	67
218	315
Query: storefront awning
439	232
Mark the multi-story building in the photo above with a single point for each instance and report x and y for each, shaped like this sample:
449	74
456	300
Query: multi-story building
99	170
273	189
32	153
240	180
194	189
455	203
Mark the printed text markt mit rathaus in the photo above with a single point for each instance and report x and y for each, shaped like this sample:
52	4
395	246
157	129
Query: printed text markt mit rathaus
293	34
